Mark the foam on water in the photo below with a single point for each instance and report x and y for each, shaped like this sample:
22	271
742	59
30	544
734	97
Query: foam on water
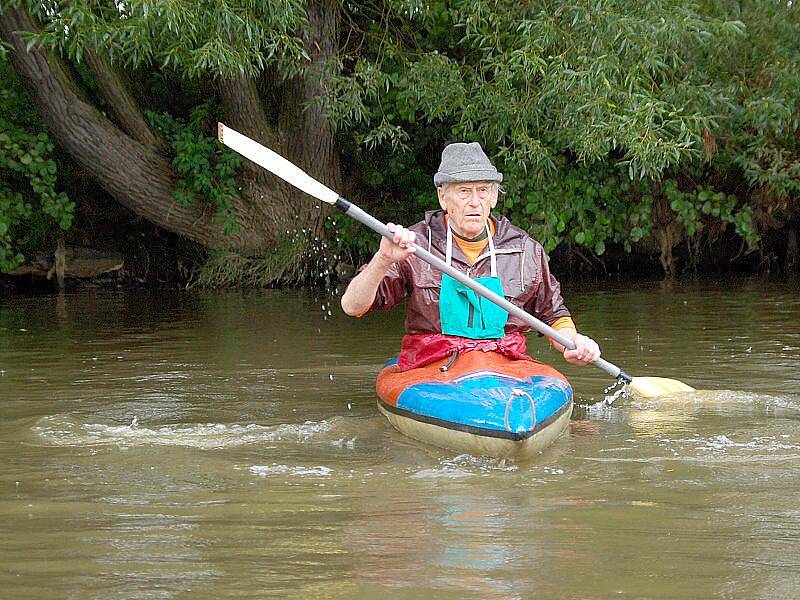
756	446
465	465
62	430
291	470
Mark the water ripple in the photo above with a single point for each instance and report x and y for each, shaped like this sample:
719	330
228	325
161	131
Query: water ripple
61	430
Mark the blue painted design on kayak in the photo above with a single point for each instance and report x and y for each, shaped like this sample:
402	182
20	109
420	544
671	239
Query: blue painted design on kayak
489	400
392	361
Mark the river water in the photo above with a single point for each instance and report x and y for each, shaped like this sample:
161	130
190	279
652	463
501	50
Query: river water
166	444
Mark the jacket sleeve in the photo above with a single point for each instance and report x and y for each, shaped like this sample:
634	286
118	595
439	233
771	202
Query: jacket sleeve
392	288
545	303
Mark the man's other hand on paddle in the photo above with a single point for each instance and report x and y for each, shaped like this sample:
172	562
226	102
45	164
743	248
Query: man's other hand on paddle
586	350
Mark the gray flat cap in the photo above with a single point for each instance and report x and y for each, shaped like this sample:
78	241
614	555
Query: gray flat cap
465	162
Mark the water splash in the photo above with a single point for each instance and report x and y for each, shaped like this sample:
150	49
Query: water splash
618	389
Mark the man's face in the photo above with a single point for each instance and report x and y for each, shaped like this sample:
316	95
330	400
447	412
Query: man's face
468	205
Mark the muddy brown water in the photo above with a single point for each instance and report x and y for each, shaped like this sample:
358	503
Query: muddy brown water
226	444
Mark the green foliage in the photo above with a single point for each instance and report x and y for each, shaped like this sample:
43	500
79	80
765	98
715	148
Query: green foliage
206	167
205	37
593	80
695	209
586	107
759	122
31	207
588	206
591	108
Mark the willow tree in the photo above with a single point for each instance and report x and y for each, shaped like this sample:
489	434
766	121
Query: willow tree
263	60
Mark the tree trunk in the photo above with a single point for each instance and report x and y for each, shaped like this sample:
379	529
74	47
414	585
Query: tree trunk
306	134
668	233
301	134
792	249
269	195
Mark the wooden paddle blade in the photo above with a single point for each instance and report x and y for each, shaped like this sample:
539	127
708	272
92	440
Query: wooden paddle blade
652	387
275	164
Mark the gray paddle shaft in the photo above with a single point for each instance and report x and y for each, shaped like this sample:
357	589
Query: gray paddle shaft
359	215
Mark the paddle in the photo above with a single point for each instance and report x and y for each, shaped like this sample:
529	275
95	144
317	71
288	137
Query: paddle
276	164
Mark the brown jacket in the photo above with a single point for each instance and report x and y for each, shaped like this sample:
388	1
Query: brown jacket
521	266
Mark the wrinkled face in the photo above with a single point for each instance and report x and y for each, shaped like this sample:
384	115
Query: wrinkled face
468	205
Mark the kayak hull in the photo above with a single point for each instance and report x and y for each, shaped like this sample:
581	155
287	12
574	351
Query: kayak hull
484	404
477	444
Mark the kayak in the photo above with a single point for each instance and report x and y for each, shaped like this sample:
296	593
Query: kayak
483	403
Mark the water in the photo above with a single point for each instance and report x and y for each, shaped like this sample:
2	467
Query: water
227	444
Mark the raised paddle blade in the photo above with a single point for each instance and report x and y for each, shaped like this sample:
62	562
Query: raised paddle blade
275	164
652	387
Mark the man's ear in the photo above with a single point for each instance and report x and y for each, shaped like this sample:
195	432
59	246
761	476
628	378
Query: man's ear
495	196
440	194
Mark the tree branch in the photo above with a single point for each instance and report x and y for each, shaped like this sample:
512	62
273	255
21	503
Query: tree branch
121	103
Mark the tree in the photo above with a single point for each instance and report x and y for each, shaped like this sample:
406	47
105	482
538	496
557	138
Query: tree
76	58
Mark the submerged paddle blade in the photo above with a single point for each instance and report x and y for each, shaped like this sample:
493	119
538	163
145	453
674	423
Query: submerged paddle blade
275	164
652	387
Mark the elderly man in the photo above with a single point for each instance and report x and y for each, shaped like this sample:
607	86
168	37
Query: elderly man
444	318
